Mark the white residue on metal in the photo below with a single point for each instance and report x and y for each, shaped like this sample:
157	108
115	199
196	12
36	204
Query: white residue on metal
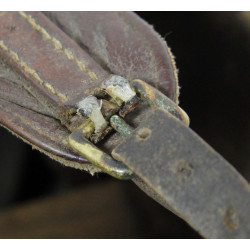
92	108
117	86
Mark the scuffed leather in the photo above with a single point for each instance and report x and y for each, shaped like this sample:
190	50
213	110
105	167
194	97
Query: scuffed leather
123	44
45	66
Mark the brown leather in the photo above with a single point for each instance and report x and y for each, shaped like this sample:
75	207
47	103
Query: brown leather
46	66
184	174
123	44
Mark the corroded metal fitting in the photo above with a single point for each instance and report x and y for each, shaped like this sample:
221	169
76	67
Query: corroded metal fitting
118	87
96	128
90	107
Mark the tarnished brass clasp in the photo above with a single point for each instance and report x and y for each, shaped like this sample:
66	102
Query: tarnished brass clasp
127	96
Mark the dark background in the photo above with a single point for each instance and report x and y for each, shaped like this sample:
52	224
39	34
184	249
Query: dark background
41	199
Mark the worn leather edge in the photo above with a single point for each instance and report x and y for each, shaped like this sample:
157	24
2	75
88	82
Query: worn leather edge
91	31
163	43
90	168
52	150
10	119
197	184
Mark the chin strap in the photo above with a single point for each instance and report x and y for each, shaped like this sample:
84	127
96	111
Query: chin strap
171	163
182	172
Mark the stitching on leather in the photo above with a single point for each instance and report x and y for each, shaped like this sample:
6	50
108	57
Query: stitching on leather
32	72
58	45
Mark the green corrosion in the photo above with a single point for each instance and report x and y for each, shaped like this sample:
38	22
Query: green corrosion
155	98
120	126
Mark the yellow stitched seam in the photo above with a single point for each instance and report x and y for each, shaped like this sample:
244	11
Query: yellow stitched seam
3	46
32	72
69	54
81	66
92	75
58	45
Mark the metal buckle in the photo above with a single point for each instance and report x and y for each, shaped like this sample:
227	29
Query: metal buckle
127	96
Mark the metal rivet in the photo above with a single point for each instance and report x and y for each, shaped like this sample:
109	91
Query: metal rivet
230	218
185	170
143	134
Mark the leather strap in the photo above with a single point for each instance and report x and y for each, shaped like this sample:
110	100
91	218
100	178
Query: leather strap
47	63
50	62
187	176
